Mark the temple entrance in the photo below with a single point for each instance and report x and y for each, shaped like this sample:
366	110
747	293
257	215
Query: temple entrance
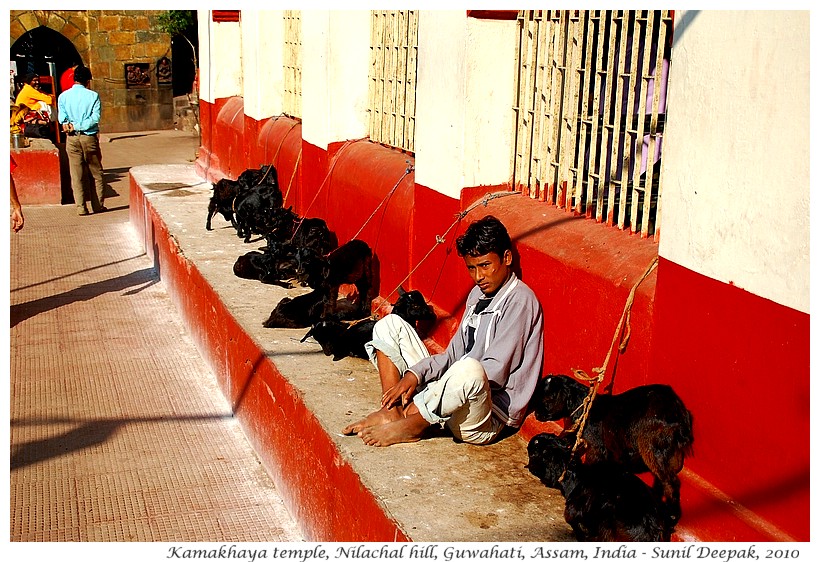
46	53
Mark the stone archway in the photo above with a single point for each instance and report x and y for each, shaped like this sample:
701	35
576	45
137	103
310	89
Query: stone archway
35	49
57	35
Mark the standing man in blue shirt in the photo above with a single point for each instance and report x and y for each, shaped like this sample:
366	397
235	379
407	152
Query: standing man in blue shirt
79	116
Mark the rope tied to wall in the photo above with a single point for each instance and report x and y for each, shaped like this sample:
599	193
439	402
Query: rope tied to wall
441	239
410	168
293	175
600	372
324	181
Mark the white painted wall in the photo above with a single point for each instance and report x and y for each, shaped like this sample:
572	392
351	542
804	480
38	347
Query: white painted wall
490	94
220	58
466	72
349	58
262	63
736	151
335	60
441	100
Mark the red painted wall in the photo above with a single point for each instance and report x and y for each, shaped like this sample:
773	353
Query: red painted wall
741	363
224	151
207	163
37	177
279	142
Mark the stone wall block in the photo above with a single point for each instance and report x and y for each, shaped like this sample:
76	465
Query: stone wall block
121	38
29	21
16	29
56	21
108	23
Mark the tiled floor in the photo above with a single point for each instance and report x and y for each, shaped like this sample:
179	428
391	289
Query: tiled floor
118	430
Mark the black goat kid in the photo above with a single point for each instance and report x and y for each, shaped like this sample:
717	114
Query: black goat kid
341	339
261	185
222	201
604	502
297	312
646	428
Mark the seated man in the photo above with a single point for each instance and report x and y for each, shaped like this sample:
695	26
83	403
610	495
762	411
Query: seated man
36	100
483	382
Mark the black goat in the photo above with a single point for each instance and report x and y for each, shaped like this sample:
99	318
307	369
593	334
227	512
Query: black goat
548	458
255	210
646	428
265	175
604	502
251	265
228	196
268	268
341	339
225	193
412	306
351	263
311	268
314	233
281	224
298	312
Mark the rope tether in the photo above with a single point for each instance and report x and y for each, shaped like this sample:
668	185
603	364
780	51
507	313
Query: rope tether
293	175
595	381
275	156
440	239
324	181
410	168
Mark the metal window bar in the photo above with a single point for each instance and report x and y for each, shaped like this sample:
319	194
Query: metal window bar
292	102
590	111
392	91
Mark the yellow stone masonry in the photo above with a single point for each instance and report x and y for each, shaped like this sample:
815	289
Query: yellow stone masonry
105	40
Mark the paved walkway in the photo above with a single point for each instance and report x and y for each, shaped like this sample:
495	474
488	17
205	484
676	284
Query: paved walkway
118	430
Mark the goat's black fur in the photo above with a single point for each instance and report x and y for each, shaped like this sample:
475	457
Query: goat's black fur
298	312
351	263
604	502
255	210
225	193
314	233
646	428
342	340
412	306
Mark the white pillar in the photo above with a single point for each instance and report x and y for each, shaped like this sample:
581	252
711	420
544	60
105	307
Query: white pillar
335	61
220	58
466	72
262	62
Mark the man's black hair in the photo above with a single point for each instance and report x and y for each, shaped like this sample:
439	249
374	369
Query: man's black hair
485	235
82	75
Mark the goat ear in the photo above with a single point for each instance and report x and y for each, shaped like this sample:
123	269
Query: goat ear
306	336
402	292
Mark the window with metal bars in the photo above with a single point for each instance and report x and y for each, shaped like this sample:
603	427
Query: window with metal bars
392	90
292	64
590	112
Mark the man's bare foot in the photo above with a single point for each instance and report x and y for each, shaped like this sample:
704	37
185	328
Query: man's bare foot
403	430
379	417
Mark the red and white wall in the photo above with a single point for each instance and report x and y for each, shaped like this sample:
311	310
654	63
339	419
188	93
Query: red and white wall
732	300
725	317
